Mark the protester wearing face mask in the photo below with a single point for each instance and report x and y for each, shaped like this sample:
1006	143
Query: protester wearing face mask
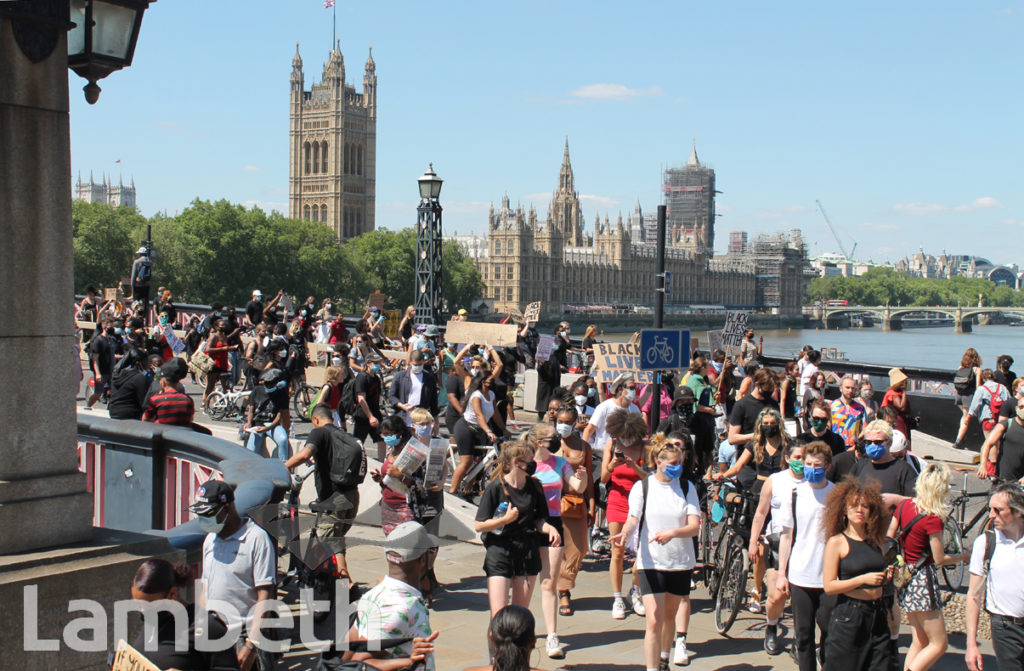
820	419
622	466
549	372
330	394
681	418
895	477
414	387
703	424
666	513
747	410
217	348
367	415
594	395
777	489
623	393
265	414
577	508
473	427
866	396
801	551
847	412
239	563
394	505
513	516
579	402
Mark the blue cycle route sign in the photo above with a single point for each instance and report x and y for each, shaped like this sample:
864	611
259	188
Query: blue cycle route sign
664	349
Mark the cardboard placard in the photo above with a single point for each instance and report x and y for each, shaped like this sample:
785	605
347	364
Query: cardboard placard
286	303
127	658
715	341
173	341
735	326
395	354
480	333
316	376
544	347
377	300
532	312
393	319
613	359
111	294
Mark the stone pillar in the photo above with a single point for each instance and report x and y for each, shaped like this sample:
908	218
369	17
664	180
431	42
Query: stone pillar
43	498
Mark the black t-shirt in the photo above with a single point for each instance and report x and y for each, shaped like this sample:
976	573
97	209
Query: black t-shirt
895	476
529	500
842	465
1006	379
232	328
748	474
1009	408
128	396
746	410
1011	454
165	656
102	355
369	386
453	385
254	311
321	442
831	438
267	405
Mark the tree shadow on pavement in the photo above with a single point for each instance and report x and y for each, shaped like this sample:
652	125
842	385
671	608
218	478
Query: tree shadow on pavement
585	640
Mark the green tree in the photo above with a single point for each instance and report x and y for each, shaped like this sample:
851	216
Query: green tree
105	240
461	283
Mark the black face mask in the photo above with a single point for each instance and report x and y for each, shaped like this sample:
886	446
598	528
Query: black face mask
769	430
531	467
685	411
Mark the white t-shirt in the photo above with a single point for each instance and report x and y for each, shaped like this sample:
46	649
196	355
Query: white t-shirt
667	508
807	558
782	490
486	404
598	419
808	373
234	567
1004	593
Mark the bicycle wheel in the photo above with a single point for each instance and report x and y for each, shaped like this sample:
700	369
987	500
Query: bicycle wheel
705	551
731	590
718	555
300	402
216	405
952	575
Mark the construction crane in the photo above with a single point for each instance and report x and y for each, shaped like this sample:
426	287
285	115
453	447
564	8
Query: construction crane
839	242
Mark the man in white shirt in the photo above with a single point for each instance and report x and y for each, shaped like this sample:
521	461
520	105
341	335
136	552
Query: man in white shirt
997	558
623	390
807	373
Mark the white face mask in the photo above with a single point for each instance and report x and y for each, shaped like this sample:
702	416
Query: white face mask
417	369
581	399
630	394
336	361
328	306
209	524
564	430
476	371
422	430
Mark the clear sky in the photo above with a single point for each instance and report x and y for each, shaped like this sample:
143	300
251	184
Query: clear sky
903	118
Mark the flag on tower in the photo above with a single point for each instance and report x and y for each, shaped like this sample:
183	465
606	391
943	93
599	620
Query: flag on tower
117	161
328	3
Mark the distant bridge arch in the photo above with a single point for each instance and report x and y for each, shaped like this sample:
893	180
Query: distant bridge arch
891	317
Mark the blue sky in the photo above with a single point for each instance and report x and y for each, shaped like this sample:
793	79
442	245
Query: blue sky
902	118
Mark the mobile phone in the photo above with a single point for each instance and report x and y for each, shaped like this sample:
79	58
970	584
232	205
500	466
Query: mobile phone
618	454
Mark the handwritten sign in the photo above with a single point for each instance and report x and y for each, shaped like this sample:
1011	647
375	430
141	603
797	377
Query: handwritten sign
735	326
544	347
715	341
613	359
173	341
480	333
127	658
287	304
532	312
377	300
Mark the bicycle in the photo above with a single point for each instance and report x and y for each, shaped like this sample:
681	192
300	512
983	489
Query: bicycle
732	543
302	399
705	568
955	531
220	405
485	461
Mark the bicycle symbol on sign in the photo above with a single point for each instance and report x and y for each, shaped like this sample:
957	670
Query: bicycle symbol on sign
659	351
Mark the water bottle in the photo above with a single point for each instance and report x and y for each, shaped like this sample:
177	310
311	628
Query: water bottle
498	513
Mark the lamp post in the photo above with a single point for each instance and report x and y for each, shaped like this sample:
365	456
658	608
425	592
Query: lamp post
103	39
428	249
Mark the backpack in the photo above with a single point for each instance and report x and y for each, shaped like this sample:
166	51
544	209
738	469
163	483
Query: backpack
341	468
995	404
964	382
990	549
296	359
348	396
144	273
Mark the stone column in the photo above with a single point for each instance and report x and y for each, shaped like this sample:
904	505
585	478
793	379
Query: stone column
43	498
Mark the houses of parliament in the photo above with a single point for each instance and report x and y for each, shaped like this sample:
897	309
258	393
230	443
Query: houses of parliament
525	259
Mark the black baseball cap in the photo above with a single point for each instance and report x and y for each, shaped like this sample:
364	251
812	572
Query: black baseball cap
684	393
211	496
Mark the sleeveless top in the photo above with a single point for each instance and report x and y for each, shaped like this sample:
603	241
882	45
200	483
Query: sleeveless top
862	558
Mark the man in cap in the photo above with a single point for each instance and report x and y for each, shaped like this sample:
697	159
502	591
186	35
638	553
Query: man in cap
682	417
142	274
623	393
395	608
239	565
367	415
171	405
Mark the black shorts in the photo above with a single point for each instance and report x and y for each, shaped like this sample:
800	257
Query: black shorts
512	558
556	522
653	581
468	437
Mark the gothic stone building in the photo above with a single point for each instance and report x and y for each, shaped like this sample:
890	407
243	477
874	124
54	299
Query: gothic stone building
105	191
332	148
556	262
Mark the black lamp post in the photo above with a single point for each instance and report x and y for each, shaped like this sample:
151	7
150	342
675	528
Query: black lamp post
103	39
428	249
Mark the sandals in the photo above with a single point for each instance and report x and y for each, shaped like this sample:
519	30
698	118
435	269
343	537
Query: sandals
565	608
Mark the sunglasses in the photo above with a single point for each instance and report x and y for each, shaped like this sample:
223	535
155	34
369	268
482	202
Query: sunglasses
876	442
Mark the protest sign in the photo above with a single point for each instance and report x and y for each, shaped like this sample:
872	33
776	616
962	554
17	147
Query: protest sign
480	333
287	304
377	300
735	326
544	347
715	341
433	472
532	312
613	359
127	658
173	341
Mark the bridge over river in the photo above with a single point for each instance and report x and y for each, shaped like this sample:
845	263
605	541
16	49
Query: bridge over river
891	317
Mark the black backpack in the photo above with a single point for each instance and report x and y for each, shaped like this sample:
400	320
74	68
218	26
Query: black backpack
964	382
341	468
348	395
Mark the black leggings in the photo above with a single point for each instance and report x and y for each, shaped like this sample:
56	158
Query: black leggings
860	636
810	606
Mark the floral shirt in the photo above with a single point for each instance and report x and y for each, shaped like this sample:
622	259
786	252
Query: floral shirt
847	420
394	609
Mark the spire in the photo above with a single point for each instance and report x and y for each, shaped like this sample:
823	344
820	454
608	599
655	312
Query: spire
297	59
370	65
565	177
693	154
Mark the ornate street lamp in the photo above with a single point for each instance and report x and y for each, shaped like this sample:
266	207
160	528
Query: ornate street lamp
428	249
103	39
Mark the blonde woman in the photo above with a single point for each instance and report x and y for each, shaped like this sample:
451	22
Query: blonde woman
588	346
919	523
405	326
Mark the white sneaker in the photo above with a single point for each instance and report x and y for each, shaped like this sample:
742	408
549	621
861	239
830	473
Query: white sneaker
679	655
637	602
554	649
619	608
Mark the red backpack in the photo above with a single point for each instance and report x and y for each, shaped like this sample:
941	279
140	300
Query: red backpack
995	404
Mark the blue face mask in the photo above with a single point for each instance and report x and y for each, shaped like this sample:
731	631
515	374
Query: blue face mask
674	471
875	451
391	440
554	348
814	474
591	392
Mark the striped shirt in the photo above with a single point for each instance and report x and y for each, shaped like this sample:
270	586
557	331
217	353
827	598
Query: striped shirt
170	407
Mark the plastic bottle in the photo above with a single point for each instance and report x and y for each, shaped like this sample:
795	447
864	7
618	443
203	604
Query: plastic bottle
498	513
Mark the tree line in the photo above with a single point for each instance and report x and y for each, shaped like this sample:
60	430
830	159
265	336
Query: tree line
220	252
881	286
